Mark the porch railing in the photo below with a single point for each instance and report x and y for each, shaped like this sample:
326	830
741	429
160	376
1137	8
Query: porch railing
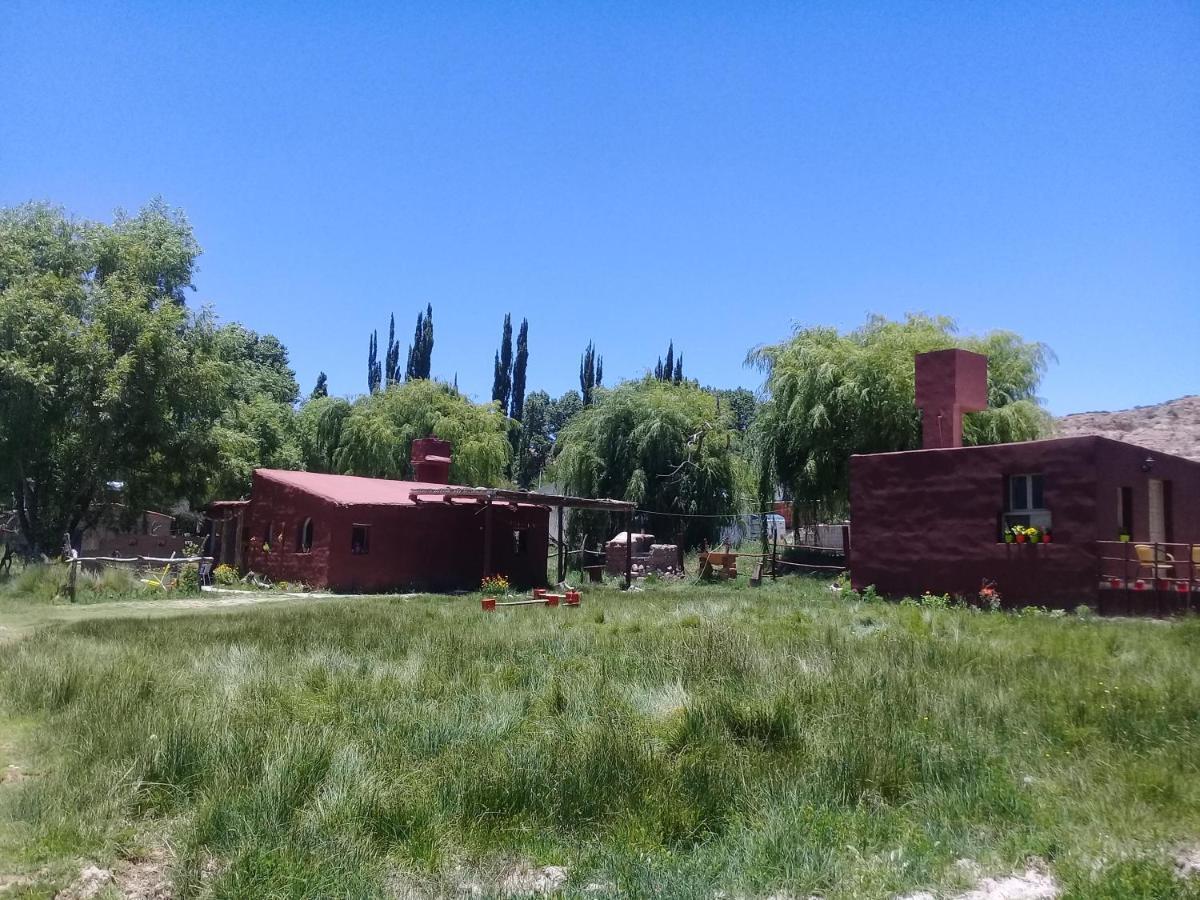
1139	573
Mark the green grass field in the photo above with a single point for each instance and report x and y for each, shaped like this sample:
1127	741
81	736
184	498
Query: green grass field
686	740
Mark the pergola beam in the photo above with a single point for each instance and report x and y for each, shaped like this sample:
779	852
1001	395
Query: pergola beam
490	495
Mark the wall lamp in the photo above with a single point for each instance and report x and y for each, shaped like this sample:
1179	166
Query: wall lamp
1147	463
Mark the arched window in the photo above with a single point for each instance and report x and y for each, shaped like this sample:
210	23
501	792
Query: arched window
304	536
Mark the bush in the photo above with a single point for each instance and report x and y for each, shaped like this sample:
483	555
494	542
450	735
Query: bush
494	584
225	575
189	579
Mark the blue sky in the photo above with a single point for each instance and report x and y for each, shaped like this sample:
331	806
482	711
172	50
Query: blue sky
631	173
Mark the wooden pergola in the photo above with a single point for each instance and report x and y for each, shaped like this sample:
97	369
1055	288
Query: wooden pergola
487	497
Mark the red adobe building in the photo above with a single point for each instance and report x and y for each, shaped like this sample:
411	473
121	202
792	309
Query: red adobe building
347	533
933	519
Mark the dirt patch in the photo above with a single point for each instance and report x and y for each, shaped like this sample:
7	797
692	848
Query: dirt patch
1187	862
139	878
1034	884
91	881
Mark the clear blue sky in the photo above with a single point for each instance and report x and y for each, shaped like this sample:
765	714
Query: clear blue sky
636	172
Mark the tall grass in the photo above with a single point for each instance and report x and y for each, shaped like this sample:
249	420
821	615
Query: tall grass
46	583
682	740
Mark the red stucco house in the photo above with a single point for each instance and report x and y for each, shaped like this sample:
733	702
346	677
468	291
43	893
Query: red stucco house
933	519
348	533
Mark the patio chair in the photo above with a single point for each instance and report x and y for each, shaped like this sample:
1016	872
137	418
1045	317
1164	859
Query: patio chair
1157	563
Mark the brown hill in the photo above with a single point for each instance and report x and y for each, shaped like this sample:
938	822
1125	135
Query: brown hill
1171	427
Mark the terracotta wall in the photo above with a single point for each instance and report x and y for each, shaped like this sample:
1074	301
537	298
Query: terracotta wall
930	519
428	547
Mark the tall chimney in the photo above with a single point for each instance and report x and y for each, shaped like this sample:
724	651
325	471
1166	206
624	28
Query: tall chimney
949	383
431	460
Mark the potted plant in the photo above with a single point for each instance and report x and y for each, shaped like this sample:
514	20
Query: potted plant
1124	537
1033	534
1009	537
1046	538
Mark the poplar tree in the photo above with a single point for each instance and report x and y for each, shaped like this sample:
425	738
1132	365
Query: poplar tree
374	371
502	376
392	360
591	373
520	363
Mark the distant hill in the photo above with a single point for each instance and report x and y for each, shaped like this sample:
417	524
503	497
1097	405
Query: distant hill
1171	427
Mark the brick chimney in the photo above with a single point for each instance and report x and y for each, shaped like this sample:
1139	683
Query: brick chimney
949	383
431	460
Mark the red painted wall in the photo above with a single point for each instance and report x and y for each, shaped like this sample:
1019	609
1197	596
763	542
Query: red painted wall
929	520
432	546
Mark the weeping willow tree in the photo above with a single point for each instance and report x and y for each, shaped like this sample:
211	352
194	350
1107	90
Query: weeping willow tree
375	438
664	446
830	395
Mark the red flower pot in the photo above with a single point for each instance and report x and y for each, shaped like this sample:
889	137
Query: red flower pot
1020	538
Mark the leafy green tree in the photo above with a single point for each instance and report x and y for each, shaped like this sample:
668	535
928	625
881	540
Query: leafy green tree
537	434
376	437
256	428
321	389
102	375
663	446
832	395
740	402
535	442
562	411
502	376
318	428
520	364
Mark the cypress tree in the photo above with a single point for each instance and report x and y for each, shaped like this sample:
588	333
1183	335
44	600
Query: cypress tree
591	373
374	370
321	389
414	350
391	366
678	376
426	365
520	363
502	377
669	365
658	370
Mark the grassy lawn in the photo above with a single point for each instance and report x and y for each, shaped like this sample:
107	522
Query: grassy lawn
680	741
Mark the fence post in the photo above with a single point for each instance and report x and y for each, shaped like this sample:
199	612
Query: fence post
71	575
774	553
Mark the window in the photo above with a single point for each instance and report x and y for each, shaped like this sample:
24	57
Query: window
1025	502
304	537
267	536
520	542
360	539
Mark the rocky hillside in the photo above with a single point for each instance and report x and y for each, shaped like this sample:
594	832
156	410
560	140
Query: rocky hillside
1171	427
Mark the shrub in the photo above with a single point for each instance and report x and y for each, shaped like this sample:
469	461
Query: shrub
225	575
189	579
494	584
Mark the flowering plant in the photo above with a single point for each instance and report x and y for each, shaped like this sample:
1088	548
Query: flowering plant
1023	533
494	584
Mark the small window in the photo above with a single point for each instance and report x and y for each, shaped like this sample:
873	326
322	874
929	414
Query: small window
304	537
360	539
1025	493
520	542
1026	502
267	534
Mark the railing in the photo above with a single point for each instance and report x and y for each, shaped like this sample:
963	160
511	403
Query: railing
1166	571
